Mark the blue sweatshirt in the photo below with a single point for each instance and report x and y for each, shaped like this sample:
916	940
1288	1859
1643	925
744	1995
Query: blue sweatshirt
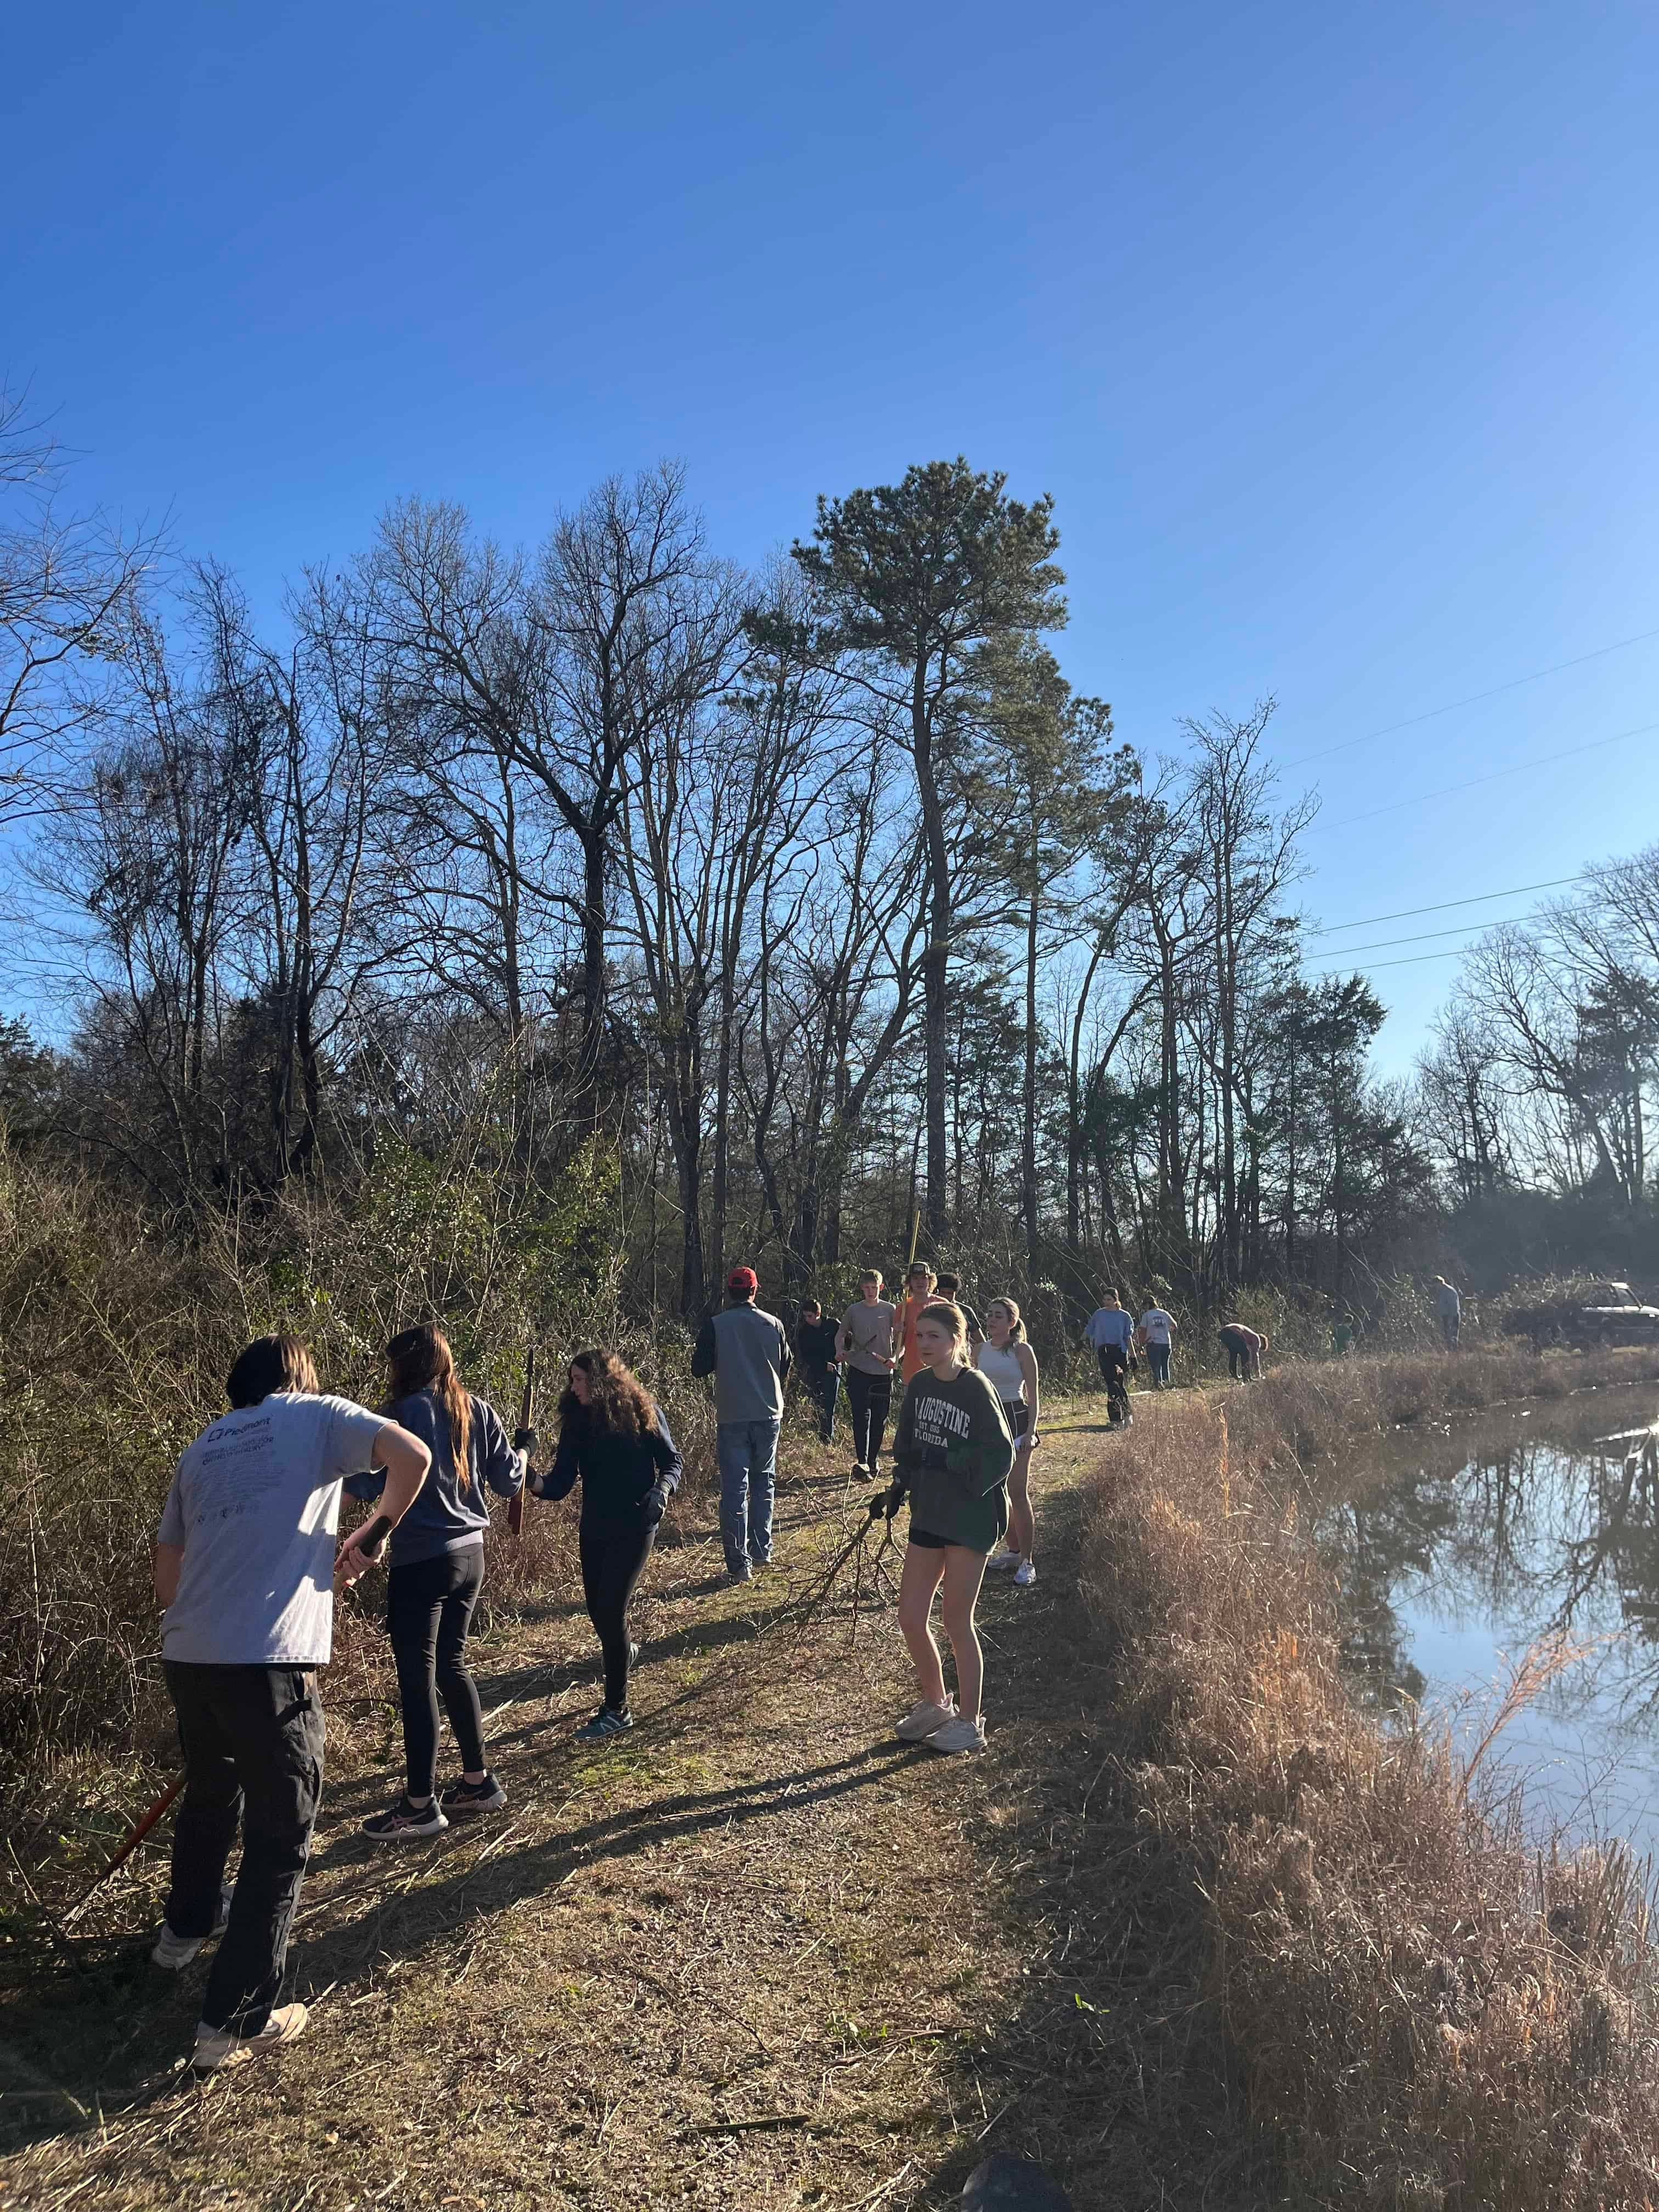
445	1518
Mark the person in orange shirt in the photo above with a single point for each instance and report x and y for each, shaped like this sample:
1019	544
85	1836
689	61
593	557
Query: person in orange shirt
919	1282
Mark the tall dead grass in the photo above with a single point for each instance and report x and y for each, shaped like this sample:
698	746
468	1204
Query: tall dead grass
1430	2013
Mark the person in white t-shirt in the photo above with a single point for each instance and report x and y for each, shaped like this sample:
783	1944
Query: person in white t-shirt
245	1563
1157	1332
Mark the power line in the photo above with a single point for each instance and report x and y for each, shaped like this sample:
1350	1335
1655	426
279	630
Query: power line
1450	790
1451	952
1444	906
1474	699
1422	937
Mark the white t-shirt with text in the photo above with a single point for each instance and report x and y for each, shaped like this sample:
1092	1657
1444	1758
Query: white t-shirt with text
1156	1327
255	1504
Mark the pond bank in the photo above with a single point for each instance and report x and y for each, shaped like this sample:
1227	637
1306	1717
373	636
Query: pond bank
1424	2013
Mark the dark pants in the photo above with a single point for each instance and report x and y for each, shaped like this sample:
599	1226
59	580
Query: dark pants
253	1753
1115	1374
613	1556
870	1401
825	1387
428	1610
1241	1359
1448	1330
1158	1362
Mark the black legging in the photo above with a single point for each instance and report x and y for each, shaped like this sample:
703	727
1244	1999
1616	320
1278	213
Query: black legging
428	1610
613	1555
1115	1374
870	1398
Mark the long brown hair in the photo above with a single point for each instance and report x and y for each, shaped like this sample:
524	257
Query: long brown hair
1016	1326
618	1403
420	1359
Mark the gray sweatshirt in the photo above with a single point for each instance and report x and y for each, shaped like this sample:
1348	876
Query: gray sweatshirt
747	1352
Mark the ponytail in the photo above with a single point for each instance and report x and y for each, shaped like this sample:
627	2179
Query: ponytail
1016	1326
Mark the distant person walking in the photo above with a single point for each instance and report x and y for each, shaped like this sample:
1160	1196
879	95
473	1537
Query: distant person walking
918	1292
1010	1366
952	1452
1342	1335
864	1344
244	1565
1111	1331
948	1287
433	1578
1244	1347
816	1341
1156	1331
1450	1307
746	1352
614	1441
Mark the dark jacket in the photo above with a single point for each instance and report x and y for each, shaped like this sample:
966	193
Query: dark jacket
815	1346
951	1451
618	1472
445	1518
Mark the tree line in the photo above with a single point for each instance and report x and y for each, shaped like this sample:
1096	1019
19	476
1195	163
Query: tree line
795	903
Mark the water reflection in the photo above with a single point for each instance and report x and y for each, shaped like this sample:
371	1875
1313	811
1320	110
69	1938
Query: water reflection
1456	1547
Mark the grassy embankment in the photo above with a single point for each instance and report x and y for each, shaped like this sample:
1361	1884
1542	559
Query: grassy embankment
1426	2012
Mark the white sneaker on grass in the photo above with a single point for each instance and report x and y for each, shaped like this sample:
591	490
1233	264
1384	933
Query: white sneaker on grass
1024	1574
959	1732
174	1952
216	2047
920	1722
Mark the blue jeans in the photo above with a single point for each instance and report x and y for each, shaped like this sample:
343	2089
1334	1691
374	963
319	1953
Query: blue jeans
1158	1359
748	1455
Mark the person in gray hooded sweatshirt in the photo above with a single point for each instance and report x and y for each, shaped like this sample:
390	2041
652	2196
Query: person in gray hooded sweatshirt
747	1352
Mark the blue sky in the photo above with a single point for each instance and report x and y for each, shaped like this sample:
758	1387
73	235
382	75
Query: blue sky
1332	331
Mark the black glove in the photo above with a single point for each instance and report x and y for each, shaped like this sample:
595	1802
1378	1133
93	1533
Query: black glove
525	1440
656	1502
895	1495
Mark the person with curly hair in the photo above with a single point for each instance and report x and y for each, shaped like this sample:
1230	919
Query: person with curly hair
614	1439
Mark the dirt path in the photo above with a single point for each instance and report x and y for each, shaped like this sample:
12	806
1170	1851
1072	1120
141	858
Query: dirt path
756	1953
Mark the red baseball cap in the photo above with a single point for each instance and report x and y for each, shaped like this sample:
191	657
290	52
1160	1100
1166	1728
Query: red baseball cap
743	1278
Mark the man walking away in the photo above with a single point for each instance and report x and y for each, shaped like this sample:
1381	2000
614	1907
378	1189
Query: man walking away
815	1339
245	1563
1110	1330
948	1287
1158	1332
1450	1307
1244	1347
747	1353
865	1345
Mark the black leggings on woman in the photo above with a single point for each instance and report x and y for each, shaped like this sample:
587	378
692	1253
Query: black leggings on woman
613	1555
428	1610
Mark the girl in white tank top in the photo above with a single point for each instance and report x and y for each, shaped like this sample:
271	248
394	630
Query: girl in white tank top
1009	1365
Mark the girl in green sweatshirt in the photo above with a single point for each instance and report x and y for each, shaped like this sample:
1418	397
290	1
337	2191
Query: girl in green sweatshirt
952	1452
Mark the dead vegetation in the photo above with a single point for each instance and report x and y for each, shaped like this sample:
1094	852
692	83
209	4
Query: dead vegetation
1426	2012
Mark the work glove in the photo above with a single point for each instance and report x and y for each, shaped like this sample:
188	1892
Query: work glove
896	1492
656	1502
525	1440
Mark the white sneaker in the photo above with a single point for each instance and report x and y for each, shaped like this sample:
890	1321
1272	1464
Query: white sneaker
959	1733
174	1952
1002	1561
921	1722
216	2047
1024	1574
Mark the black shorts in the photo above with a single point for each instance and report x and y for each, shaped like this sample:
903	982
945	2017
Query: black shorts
1018	1415
925	1540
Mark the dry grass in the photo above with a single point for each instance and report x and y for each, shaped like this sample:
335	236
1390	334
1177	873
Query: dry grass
1428	2015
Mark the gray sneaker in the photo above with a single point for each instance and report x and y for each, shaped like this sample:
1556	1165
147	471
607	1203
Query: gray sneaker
959	1733
174	1952
920	1722
745	1573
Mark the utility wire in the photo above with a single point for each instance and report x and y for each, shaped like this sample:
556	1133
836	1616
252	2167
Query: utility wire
1544	760
1444	906
1422	937
1474	699
1451	952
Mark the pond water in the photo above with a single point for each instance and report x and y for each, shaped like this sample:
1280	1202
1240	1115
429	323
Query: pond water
1458	1545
